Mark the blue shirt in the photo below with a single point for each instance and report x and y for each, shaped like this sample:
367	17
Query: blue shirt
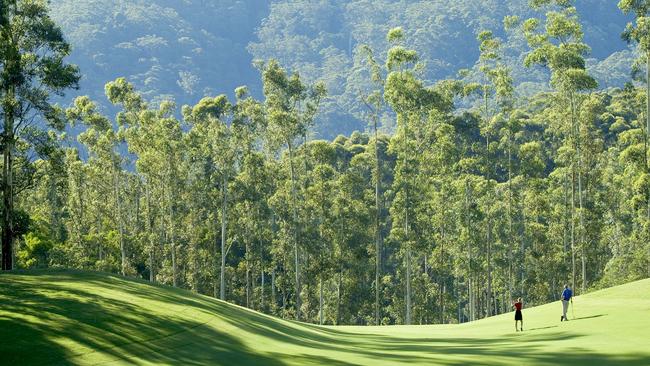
566	294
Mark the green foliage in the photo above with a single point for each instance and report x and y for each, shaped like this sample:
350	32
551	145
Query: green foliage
35	246
467	194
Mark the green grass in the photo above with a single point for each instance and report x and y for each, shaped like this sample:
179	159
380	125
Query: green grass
50	318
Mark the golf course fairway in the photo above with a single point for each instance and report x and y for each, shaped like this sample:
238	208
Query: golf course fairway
82	318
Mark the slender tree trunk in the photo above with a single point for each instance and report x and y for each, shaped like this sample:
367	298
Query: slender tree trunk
320	299
442	270
263	279
647	129
248	274
647	142
120	223
338	297
152	248
224	208
566	217
406	225
408	286
489	270
7	180
295	230
377	226
573	207
172	238
510	220
582	242
469	254
458	299
273	301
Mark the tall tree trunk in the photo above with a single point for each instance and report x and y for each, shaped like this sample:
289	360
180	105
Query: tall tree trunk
408	286
7	180
647	131
273	301
152	248
320	299
510	219
248	273
120	222
295	230
489	270
406	225
488	223
172	238
441	264
582	242
469	253
338	296
377	227
224	207
262	272
573	205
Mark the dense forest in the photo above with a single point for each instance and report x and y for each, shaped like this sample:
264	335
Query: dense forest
465	190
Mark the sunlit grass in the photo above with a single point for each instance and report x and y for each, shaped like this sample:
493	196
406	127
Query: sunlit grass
49	318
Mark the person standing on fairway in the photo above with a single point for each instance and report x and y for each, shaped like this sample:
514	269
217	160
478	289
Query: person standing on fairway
518	317
567	294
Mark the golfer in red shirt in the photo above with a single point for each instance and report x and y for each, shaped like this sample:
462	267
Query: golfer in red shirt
518	317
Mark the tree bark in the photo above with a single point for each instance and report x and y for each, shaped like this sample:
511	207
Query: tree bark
262	273
320	300
172	236
120	223
377	227
7	180
295	230
224	207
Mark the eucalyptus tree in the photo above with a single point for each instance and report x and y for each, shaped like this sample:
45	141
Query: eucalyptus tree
155	137
290	109
496	91
411	101
102	143
254	183
561	49
209	124
32	69
375	104
509	134
639	33
252	187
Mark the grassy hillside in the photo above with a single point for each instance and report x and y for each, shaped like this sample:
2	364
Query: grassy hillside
86	318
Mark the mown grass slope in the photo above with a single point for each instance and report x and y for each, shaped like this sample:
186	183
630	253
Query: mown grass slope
80	318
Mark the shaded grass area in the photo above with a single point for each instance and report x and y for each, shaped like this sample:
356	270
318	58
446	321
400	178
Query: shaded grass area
66	317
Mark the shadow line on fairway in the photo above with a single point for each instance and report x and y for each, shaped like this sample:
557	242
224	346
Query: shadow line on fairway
540	328
589	317
35	315
122	323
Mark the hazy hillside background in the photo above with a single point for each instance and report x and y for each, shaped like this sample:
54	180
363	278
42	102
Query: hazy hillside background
186	49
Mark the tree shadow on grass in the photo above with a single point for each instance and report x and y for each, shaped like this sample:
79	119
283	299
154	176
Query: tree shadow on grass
42	323
124	332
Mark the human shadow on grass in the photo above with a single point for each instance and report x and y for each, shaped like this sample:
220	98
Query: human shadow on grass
542	328
588	317
36	316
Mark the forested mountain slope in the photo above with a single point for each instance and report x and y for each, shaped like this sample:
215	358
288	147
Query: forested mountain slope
81	318
187	49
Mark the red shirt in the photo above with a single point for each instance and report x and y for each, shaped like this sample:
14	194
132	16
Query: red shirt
518	306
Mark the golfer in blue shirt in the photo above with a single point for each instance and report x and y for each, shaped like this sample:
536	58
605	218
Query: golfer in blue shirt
567	294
